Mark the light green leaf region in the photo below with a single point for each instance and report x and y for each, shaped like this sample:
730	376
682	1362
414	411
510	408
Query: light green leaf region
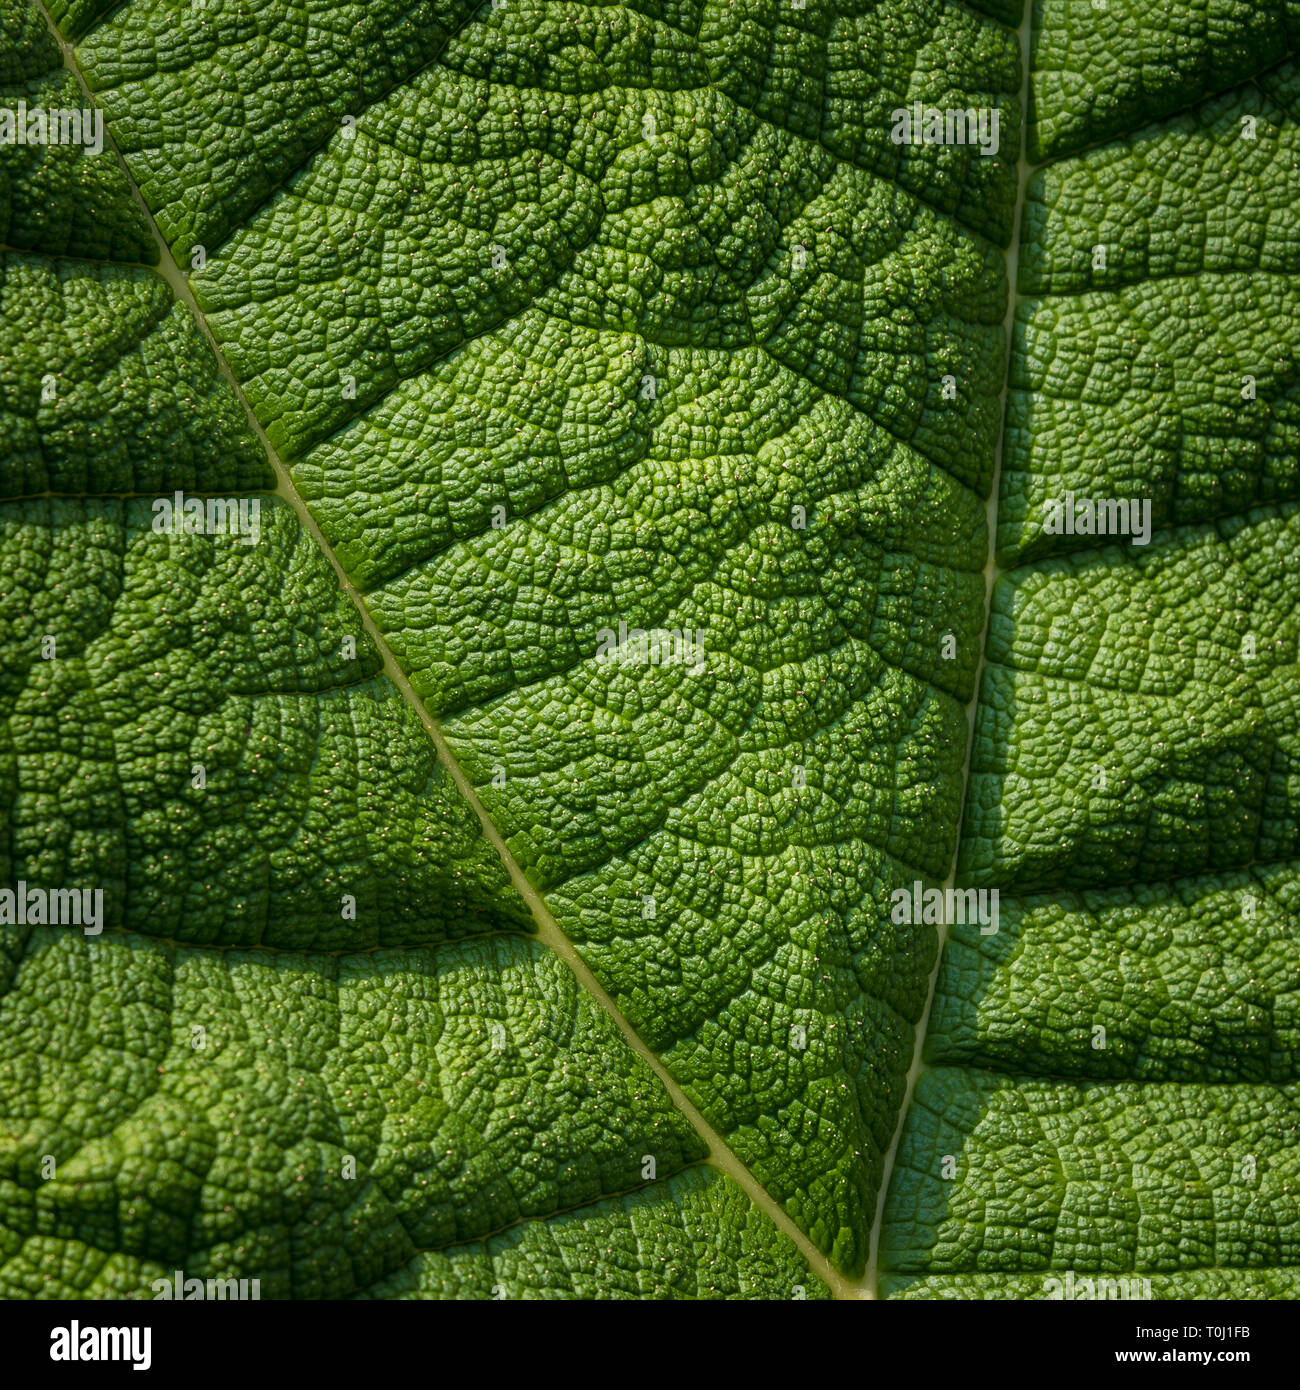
217	104
296	1032
1193	980
1109	1108
195	658
1140	721
648	395
585	326
372	1121
474	1087
1133	1180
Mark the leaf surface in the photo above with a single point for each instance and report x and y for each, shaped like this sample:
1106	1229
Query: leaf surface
588	324
305	1038
1108	1109
620	403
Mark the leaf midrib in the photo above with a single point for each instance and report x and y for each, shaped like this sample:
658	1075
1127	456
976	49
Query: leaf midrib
720	1154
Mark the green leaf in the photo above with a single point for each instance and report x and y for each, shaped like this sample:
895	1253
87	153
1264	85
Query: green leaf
1118	1180
375	1121
198	658
166	75
1191	309
107	386
299	1037
61	198
1191	980
1138	719
1108	1104
499	827
589	323
1104	68
835	76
